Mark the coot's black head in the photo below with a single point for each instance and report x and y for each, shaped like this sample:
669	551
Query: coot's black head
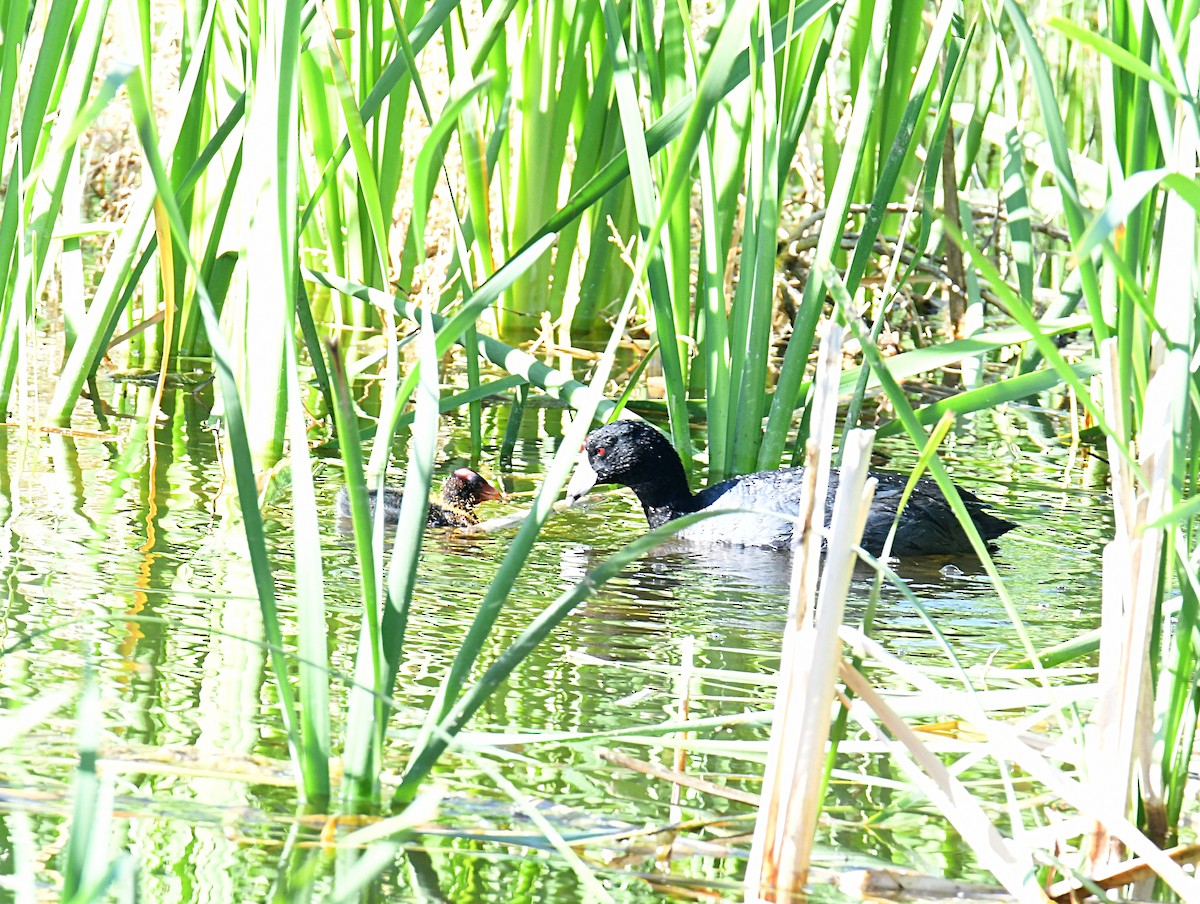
464	489
627	452
632	454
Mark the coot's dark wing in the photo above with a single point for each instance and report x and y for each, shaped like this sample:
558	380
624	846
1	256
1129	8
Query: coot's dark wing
928	525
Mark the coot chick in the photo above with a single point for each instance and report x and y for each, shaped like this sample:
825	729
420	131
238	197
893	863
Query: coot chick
461	494
634	454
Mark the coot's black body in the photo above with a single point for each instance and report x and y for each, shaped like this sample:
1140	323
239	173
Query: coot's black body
461	494
634	454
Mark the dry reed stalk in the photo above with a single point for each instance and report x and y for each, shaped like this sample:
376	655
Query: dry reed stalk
1008	861
1005	743
678	779
794	774
761	871
1124	757
684	693
1125	873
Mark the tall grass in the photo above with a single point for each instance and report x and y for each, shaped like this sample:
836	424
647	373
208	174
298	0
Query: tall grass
1147	301
542	168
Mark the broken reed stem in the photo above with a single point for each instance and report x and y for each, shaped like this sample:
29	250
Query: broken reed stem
762	869
820	639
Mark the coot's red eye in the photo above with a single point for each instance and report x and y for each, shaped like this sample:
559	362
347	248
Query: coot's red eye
600	452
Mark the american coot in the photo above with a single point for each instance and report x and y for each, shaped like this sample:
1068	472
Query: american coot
634	454
461	493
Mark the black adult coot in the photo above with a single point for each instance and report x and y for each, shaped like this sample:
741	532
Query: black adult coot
461	494
634	454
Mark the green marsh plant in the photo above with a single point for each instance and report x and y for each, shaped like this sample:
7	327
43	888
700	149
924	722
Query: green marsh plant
281	198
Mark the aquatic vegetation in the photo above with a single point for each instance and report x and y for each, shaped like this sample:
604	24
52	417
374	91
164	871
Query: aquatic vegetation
320	205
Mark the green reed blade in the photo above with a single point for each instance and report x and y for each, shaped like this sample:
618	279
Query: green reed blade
754	297
648	211
1084	646
541	102
903	146
406	549
433	736
1016	197
1166	28
424	180
589	119
433	20
471	340
899	84
1178	694
806	61
1025	317
46	82
390	158
512	360
992	395
1126	198
1061	154
382	640
1115	52
712	333
725	71
838	205
360	735
364	165
512	428
320	130
631	383
17	23
311	644
55	113
477	170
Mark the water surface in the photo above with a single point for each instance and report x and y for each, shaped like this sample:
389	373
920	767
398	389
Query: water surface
121	562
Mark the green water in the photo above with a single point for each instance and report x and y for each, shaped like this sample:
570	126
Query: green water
121	562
